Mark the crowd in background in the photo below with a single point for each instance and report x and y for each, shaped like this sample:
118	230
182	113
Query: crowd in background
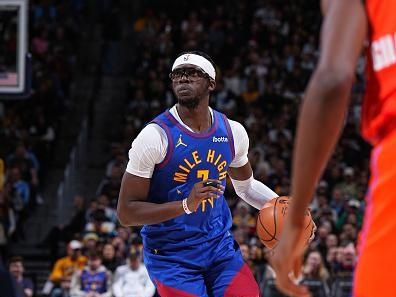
265	52
28	128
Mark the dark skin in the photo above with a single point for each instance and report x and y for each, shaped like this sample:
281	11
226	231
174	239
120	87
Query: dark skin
327	97
133	209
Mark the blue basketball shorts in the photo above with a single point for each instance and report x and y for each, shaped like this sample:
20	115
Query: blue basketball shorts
214	268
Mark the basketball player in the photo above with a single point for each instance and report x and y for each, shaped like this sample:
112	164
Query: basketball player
346	26
174	184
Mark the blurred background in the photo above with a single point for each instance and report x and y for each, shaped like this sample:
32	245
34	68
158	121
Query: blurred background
93	72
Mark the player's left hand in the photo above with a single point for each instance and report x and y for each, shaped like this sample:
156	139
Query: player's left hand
286	261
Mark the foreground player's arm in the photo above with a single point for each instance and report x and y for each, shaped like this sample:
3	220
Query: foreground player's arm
320	122
327	98
246	186
133	207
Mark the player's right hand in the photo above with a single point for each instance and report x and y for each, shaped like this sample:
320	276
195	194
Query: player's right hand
286	259
201	192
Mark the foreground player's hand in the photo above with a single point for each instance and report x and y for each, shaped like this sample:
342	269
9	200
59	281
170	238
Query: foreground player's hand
201	192
286	261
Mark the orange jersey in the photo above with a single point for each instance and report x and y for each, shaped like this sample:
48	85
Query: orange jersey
379	108
375	271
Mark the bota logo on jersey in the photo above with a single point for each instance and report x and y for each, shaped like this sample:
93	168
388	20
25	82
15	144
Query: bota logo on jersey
219	139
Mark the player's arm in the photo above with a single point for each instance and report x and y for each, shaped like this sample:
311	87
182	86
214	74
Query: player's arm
240	171
319	125
327	97
133	206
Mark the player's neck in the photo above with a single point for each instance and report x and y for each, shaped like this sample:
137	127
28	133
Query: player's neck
198	118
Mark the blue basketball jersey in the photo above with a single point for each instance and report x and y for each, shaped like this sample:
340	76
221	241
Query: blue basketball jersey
94	281
191	157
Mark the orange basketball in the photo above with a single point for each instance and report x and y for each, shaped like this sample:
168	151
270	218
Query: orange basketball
270	222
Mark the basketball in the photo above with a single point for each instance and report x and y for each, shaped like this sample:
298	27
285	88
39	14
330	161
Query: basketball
270	222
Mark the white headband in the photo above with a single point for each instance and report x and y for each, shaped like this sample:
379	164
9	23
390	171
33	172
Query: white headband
196	60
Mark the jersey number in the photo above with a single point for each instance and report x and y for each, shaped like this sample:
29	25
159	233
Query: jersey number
204	175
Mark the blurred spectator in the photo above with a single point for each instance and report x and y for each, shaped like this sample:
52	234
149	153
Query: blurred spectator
125	234
7	224
321	209
100	224
120	247
268	272
280	129
337	201
240	235
223	99
119	161
92	207
314	267
24	286
93	281
245	251
191	29
320	240
254	257
26	162
331	241
7	285
243	219
109	259
348	234
64	288
251	94
348	186
110	186
332	257
110	213
66	266
352	207
28	166
132	279
90	241
257	259
347	259
18	190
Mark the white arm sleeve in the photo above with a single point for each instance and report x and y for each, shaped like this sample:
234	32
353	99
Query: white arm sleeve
148	149
241	144
253	192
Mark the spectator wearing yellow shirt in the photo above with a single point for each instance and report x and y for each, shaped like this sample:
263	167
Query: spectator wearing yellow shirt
243	219
66	266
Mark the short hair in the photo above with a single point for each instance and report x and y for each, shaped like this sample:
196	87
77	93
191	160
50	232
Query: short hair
93	255
15	259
